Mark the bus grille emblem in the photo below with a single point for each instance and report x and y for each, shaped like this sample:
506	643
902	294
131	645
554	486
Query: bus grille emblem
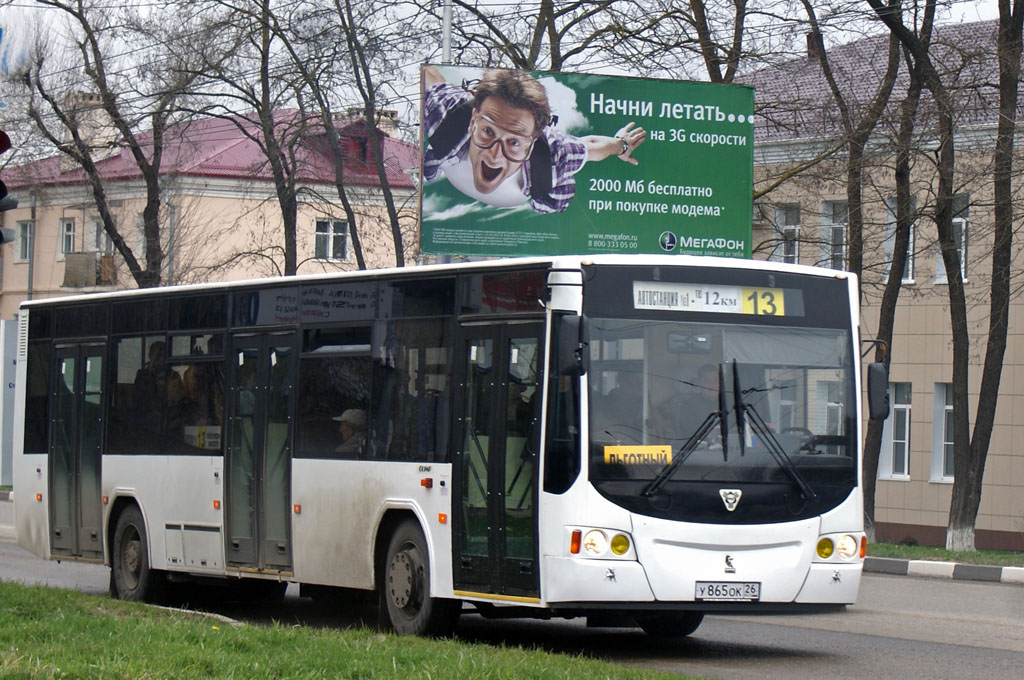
731	498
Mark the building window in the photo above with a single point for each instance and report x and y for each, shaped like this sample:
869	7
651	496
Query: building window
961	232
787	222
140	237
942	433
834	413
895	456
26	231
835	217
787	404
890	241
331	240
99	240
67	236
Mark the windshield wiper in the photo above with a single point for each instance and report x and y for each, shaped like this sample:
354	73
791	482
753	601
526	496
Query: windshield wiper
715	417
758	425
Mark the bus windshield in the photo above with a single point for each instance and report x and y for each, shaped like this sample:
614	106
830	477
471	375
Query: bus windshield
677	406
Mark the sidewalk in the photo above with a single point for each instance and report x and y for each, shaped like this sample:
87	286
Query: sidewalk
6	516
872	565
953	570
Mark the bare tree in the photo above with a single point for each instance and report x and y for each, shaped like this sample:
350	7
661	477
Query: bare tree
257	91
970	449
897	266
344	52
138	98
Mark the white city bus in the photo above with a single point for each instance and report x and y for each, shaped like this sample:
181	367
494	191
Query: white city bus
634	439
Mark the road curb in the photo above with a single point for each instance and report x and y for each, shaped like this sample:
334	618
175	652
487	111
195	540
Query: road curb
946	570
6	495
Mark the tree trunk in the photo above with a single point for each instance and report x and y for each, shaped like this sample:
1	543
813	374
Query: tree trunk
890	296
966	500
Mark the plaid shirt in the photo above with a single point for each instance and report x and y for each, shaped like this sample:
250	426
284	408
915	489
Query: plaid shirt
568	154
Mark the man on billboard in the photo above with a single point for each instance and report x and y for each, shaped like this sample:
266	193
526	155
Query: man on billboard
496	142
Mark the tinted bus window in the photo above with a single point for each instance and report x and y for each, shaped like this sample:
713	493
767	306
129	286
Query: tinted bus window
411	391
198	311
137	318
37	382
81	321
334	386
164	407
431	297
40	324
505	292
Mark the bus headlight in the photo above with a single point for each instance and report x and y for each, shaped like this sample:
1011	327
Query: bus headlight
847	547
839	547
595	542
600	543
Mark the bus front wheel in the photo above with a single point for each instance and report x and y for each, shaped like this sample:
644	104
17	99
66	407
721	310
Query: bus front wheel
405	587
133	578
670	625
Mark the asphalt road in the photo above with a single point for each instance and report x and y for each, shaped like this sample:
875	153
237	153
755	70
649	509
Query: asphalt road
901	627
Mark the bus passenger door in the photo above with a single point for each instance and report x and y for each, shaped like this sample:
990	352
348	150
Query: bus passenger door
495	541
258	465
75	452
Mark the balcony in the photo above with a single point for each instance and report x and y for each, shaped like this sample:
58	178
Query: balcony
85	270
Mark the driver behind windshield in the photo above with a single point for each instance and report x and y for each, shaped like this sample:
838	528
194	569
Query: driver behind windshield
696	396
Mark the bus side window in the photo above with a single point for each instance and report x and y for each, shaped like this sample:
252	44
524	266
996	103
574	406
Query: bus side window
37	397
329	387
411	393
141	384
562	457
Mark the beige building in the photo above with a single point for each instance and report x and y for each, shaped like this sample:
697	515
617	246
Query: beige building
805	220
220	219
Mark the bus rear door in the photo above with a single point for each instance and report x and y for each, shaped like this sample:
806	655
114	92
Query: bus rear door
76	441
258	466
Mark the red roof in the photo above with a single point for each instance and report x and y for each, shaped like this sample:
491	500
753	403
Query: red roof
216	147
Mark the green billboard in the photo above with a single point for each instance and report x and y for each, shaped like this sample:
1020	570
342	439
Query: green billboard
516	163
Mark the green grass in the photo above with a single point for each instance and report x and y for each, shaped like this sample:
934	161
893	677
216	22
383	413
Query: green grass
6	487
48	633
997	558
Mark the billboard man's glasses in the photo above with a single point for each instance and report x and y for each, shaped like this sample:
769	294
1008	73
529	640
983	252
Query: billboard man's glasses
486	133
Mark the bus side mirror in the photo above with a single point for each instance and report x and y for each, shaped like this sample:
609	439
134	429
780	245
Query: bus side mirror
878	391
572	345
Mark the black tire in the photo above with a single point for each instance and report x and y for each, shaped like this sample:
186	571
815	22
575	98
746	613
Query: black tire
404	588
132	577
670	625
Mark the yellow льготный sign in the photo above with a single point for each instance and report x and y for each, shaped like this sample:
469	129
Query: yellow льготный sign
638	455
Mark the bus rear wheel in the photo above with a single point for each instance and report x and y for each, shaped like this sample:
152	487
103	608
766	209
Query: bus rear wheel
133	579
405	587
670	625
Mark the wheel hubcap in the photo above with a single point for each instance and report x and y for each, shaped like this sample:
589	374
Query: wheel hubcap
131	558
403	580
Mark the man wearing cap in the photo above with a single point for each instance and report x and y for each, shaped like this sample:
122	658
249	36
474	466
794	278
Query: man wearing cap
352	428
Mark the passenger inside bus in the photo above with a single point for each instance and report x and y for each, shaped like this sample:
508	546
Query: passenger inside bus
155	385
352	428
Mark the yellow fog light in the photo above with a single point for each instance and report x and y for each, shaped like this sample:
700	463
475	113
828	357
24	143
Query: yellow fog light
595	542
620	544
825	548
847	547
